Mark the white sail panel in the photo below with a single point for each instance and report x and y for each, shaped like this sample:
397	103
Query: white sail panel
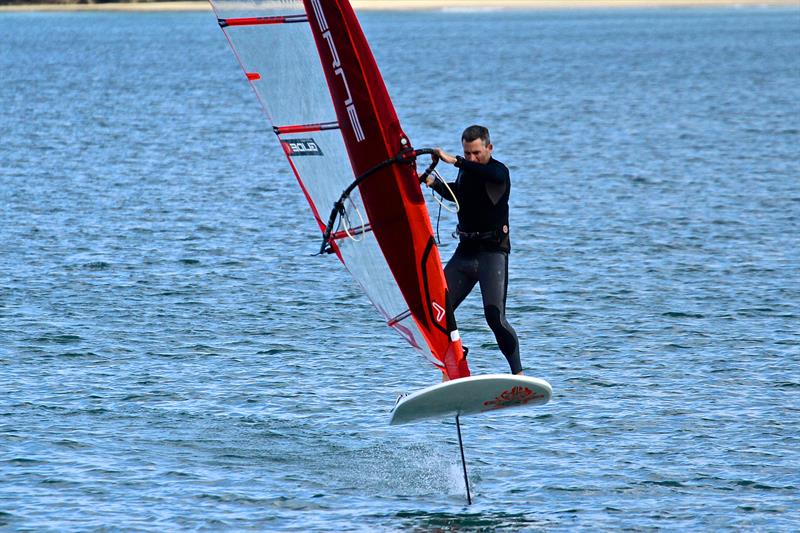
289	81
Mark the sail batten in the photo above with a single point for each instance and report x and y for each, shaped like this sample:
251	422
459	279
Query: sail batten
305	128
334	119
261	21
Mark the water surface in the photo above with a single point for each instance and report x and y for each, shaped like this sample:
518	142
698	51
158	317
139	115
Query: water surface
174	358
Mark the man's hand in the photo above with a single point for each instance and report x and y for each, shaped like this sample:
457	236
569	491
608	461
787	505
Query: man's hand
444	156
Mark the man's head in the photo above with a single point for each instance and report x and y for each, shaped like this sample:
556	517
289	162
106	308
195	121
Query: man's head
477	144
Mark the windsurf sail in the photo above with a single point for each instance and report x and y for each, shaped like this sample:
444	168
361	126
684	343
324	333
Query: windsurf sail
312	70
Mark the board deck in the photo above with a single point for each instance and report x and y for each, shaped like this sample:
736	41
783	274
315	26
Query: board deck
469	396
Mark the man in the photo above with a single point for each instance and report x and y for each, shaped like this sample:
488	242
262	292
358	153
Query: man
481	190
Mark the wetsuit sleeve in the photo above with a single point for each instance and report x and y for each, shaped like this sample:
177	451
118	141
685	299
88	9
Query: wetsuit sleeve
443	191
493	172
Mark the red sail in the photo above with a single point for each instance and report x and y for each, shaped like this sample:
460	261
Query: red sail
392	197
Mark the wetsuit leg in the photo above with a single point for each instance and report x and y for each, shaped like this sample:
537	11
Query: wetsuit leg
494	286
461	273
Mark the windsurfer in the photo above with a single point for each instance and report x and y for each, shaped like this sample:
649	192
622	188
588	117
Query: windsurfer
482	189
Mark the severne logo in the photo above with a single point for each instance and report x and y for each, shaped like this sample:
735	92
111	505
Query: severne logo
296	147
337	69
440	312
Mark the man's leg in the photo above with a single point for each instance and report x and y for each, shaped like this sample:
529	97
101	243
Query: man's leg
461	273
494	286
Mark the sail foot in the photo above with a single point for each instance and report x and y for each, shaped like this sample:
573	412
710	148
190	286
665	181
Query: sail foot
455	361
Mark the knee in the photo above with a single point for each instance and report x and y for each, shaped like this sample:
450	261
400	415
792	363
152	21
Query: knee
494	317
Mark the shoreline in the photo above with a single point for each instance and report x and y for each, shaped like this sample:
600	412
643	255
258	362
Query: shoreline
426	5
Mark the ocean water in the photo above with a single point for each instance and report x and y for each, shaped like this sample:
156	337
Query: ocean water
172	357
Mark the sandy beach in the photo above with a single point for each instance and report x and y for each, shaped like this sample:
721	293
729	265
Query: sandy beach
422	5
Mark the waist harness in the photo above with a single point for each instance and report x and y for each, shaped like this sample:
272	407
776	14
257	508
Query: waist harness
496	235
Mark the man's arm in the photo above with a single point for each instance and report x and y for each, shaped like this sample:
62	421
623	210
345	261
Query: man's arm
495	173
492	172
441	188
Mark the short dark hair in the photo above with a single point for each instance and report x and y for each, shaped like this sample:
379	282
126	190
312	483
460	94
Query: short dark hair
473	133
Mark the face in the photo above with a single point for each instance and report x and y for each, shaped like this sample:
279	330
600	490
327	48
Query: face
476	151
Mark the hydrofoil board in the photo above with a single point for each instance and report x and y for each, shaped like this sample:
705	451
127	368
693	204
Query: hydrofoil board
469	396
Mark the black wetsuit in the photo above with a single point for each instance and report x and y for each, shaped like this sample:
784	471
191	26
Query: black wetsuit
484	245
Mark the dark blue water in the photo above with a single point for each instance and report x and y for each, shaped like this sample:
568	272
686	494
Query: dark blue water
171	357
